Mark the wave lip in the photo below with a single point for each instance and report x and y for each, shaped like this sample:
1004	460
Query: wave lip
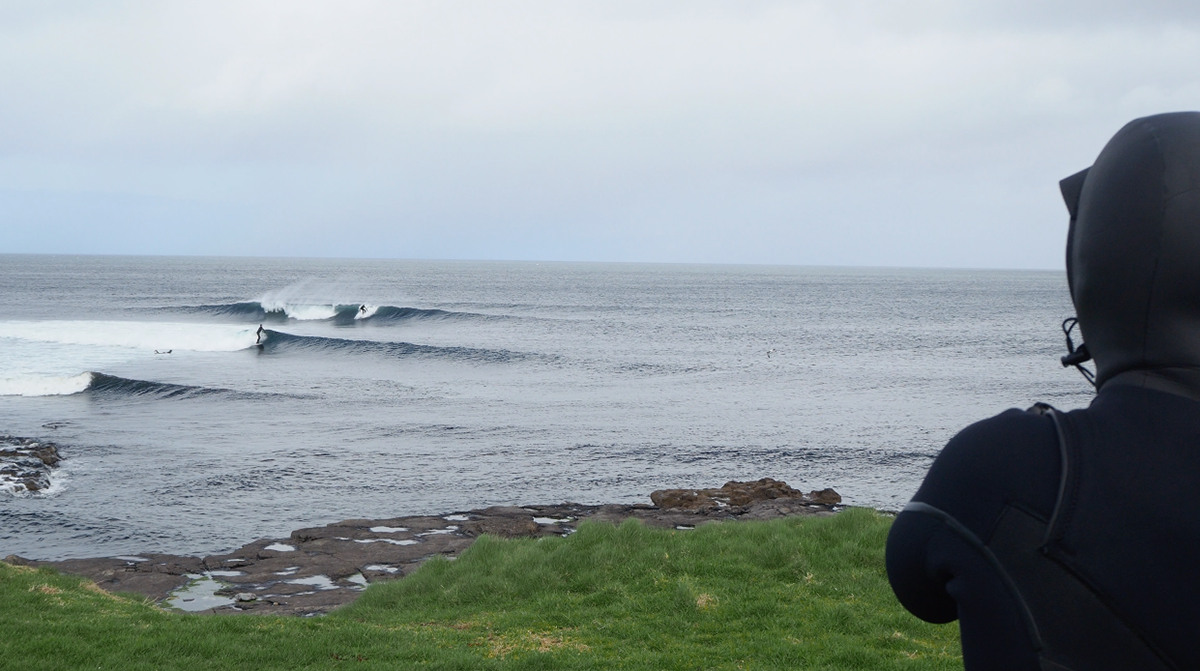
102	383
112	385
392	313
278	340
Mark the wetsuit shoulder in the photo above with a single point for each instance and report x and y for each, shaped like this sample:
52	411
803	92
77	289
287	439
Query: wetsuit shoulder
1009	459
935	563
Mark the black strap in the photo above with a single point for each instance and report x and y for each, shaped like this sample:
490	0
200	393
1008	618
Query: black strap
1064	511
969	536
1062	508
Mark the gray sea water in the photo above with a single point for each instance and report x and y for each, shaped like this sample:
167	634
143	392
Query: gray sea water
386	388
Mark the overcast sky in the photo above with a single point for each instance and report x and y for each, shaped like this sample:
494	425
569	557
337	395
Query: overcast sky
848	132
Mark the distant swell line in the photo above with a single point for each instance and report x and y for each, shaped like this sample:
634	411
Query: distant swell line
280	341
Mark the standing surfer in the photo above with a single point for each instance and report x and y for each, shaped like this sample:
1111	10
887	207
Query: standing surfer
258	335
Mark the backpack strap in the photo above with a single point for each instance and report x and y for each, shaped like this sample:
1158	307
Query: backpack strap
1064	503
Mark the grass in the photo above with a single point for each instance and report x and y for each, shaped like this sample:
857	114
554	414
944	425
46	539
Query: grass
799	593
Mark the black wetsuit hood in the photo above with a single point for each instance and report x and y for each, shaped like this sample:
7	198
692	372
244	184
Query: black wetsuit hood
1028	527
1133	254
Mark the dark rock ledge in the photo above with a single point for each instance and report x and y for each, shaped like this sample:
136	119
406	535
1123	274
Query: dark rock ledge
320	568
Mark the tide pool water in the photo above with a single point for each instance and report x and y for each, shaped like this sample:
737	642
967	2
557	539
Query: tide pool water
385	388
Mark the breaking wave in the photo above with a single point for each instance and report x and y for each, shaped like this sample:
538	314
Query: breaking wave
45	386
338	313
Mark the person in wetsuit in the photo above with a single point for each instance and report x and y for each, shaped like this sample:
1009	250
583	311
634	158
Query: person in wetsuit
1071	540
258	335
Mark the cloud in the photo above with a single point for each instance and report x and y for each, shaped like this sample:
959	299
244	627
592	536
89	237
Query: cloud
859	132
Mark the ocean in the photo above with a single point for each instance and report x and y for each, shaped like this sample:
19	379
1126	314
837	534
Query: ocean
381	388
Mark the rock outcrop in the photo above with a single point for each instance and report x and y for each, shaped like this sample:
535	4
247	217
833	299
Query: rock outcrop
317	569
26	463
740	496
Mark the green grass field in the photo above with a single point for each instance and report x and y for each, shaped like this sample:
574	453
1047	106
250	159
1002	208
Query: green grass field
798	593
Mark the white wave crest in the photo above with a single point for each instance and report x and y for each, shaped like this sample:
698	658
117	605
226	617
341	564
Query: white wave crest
301	312
312	300
319	311
161	336
45	385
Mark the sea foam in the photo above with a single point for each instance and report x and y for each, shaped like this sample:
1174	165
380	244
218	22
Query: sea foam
45	385
161	336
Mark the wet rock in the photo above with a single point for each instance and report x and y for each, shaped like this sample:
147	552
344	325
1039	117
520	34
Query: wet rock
47	453
505	510
769	510
151	575
26	464
505	526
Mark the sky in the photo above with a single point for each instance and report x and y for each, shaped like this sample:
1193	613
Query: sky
926	133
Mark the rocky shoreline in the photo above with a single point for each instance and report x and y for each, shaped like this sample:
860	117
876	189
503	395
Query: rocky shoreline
317	569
